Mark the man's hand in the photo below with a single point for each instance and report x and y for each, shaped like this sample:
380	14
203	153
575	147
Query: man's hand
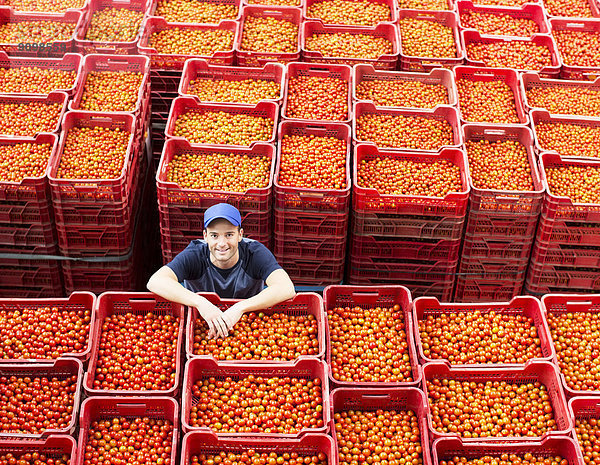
217	327
233	314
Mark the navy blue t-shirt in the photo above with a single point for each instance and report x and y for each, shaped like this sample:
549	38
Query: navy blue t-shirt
245	279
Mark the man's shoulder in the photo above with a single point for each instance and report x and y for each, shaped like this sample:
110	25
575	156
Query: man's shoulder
252	246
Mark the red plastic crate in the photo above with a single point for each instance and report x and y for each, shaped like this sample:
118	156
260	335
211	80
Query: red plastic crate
448	114
299	199
200	442
171	195
583	408
110	303
387	31
532	12
200	368
22	275
53	446
303	303
332	71
81	300
61	369
369	200
313	272
478	289
503	227
104	408
256	59
310	224
182	105
534	371
153	5
542	276
563	208
526	306
54	49
172	62
508	76
421	64
439	289
391	4
591	25
471	36
70	62
474	268
300	248
407	227
402	269
25	213
397	399
491	248
594	7
498	201
381	248
558	232
437	76
55	97
565	447
197	69
370	297
24	235
564	255
529	81
555	303
85	46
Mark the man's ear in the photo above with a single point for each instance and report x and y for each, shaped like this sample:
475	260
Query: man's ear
204	234
241	234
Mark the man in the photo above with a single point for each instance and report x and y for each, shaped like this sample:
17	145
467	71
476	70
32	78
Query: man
227	263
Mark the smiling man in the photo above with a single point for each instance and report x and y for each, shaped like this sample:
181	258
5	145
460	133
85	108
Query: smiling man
228	264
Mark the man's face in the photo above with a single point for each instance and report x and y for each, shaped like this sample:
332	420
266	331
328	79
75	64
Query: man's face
223	238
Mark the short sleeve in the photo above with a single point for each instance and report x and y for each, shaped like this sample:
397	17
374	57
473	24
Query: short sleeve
188	264
262	262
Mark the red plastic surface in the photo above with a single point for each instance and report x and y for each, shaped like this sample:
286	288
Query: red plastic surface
578	25
55	97
504	227
313	272
397	399
182	105
69	62
532	12
492	248
382	248
304	303
23	275
439	289
565	447
42	48
197	69
84	46
421	64
320	248
298	199
549	276
172	62
391	4
61	369
477	289
470	36
557	232
534	371
256	59
53	446
104	408
111	276
402	269
332	71
370	297
25	235
369	200
437	76
526	306
199	368
564	255
498	201
310	224
448	114
387	31
110	303
200	442
508	76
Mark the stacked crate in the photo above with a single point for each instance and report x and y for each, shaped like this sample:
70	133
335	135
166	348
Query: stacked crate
98	217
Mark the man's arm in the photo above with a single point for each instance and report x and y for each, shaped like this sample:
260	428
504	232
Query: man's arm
165	284
279	288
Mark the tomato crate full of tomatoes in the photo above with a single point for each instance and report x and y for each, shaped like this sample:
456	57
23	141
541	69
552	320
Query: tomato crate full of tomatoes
509	333
298	325
55	394
305	381
151	331
395	182
428	40
528	392
154	421
31	115
402	412
58	449
232	84
312	174
199	447
203	12
66	322
365	13
389	361
556	450
111	27
490	96
404	89
378	46
169	45
578	62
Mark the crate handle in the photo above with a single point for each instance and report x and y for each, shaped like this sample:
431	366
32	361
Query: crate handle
142	304
314	195
86	188
576	25
587	302
494	132
483	74
508	198
425	17
376	396
272	12
131	406
314	126
317	69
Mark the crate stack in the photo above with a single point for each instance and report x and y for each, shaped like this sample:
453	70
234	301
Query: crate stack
96	219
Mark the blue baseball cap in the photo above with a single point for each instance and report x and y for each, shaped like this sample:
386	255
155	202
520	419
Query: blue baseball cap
225	211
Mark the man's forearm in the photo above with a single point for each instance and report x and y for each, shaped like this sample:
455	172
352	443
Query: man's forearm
174	292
